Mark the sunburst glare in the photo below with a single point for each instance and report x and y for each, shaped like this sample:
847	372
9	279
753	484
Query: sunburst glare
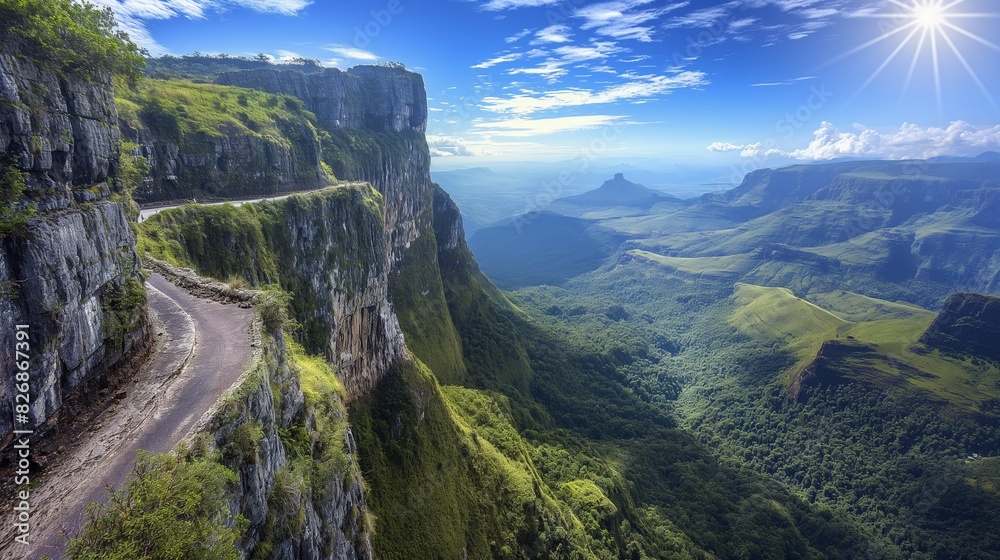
928	25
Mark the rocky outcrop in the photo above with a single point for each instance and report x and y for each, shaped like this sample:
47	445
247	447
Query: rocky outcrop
292	515
337	254
328	248
969	324
72	275
373	98
384	106
232	166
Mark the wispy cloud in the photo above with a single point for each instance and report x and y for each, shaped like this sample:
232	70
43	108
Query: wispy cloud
510	57
558	33
526	127
352	53
647	86
621	19
498	5
518	36
784	83
133	14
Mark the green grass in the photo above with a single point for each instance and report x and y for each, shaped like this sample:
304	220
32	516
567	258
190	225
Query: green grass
713	267
901	365
179	108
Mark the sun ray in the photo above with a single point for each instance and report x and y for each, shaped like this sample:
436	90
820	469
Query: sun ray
935	20
972	73
879	39
937	75
972	36
916	57
887	61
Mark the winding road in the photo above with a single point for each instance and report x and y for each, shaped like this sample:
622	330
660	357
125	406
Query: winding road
145	213
202	348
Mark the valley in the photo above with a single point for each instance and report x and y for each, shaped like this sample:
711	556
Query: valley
754	317
259	318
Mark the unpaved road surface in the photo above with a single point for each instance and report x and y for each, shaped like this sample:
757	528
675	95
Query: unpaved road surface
202	349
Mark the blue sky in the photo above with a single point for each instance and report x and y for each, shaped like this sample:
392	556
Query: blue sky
694	81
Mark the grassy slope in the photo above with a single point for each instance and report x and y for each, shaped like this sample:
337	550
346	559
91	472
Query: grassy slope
187	108
715	267
892	329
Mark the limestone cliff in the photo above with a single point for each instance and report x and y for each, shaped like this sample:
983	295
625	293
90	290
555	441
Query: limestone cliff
205	141
300	487
383	111
72	274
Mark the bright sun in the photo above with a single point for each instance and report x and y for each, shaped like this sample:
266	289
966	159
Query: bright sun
930	16
930	24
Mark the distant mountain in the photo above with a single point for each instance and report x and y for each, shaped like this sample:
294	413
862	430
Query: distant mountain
620	192
985	157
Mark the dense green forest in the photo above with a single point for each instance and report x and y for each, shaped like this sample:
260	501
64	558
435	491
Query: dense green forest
895	463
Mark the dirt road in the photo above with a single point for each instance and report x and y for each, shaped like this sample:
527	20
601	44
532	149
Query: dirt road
202	348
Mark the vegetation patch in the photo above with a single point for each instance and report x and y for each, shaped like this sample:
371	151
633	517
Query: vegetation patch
70	37
169	507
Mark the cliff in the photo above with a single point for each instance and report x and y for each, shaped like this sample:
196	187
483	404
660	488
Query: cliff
375	118
71	272
327	248
205	141
969	324
284	432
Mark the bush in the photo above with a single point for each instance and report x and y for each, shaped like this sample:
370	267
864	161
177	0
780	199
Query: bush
168	508
72	37
13	214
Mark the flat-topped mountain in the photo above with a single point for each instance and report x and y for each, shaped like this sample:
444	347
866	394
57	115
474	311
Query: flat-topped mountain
619	191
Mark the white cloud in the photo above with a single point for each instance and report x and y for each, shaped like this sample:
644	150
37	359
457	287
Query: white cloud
705	17
524	127
518	36
353	53
599	49
498	5
723	147
647	86
498	60
446	146
909	142
620	19
550	70
552	34
554	67
133	14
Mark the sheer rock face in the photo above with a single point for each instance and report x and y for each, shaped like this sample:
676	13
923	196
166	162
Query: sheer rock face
364	97
337	249
377	100
237	165
61	275
331	527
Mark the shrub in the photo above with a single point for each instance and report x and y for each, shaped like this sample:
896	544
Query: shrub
71	37
13	214
168	508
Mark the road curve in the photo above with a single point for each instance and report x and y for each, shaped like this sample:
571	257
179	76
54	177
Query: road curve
145	213
207	345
